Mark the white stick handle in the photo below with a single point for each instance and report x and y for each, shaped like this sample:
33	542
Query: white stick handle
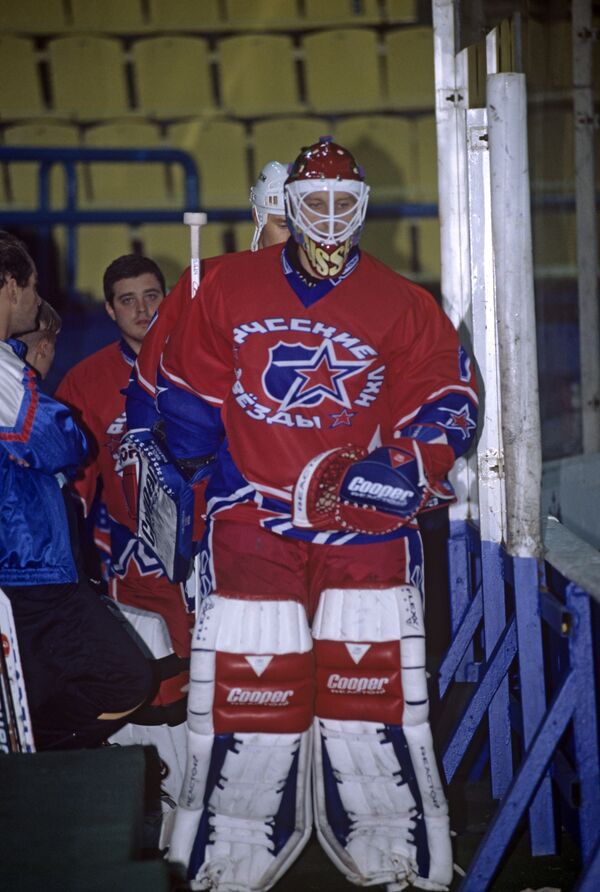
194	220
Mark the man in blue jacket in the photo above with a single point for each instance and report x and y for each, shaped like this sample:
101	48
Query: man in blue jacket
84	674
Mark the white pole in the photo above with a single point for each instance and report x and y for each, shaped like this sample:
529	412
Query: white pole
587	251
194	220
451	91
511	229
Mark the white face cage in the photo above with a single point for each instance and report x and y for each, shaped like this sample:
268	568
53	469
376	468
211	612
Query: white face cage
266	196
328	225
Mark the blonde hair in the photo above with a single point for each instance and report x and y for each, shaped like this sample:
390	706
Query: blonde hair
49	325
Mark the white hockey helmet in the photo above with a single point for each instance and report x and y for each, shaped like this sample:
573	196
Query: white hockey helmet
326	232
266	196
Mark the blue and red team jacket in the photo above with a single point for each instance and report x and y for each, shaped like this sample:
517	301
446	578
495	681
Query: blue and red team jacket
35	546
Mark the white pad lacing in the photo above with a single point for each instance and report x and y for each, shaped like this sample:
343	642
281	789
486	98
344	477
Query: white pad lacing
380	809
245	811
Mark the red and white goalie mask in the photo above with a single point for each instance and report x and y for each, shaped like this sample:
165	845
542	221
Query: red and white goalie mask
326	202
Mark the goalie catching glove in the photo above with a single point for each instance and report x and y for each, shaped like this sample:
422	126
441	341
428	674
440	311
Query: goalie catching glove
167	504
378	492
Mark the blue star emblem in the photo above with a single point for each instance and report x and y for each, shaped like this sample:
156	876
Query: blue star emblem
306	376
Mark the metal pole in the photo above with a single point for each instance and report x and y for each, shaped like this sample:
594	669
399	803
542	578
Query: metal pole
451	89
511	228
587	251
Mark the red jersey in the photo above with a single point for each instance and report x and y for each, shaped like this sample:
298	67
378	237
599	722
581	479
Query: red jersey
290	370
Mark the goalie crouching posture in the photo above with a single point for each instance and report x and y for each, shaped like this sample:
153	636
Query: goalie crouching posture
335	396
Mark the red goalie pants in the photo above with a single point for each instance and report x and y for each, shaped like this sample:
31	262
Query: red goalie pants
251	562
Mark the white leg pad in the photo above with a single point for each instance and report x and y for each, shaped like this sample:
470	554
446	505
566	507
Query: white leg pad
380	809
245	811
170	741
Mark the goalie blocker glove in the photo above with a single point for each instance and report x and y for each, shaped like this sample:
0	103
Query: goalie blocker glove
373	493
167	521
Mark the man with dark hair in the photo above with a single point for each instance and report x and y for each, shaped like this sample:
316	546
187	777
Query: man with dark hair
134	287
83	673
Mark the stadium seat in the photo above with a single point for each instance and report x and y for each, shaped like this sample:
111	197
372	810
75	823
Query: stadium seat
281	139
551	171
262	14
258	75
109	16
21	95
427	248
168	244
409	67
185	15
32	17
242	235
87	77
341	12
389	241
97	246
426	187
127	184
399	11
554	236
219	149
172	76
23	176
385	148
342	71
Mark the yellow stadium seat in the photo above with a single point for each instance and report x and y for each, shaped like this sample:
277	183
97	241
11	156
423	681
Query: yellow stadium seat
219	150
172	76
551	149
427	247
262	14
554	236
341	12
21	93
87	77
389	241
32	17
426	183
399	11
168	244
112	16
127	184
281	139
185	15
385	148
258	75
97	246
242	235
23	176
342	71
409	67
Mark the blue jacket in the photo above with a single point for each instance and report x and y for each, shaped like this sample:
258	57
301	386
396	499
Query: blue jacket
35	546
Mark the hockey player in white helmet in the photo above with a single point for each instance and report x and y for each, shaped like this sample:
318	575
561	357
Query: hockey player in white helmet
268	207
334	396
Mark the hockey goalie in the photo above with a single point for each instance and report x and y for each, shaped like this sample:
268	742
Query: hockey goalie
336	397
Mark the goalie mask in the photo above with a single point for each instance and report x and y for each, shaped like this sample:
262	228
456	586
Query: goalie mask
326	202
266	197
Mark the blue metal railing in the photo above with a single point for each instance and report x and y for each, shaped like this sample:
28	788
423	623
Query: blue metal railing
536	681
71	216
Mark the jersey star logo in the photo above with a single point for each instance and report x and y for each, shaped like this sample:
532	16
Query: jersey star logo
306	376
459	419
343	417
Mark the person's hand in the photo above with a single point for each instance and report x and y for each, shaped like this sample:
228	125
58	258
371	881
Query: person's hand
19	461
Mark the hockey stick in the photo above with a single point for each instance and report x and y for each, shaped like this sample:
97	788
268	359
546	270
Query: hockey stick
194	220
15	721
